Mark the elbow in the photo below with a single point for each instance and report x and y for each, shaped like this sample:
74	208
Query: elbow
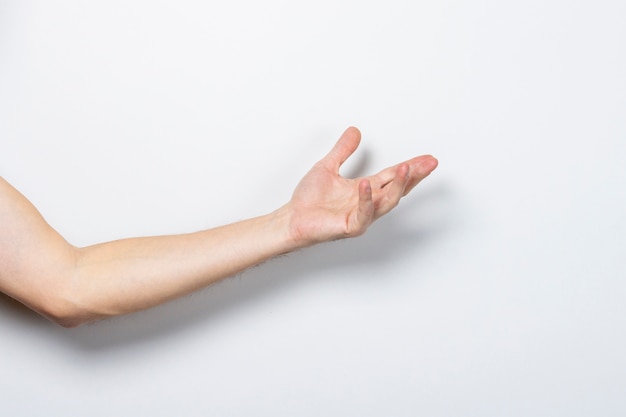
68	321
63	312
58	305
65	306
67	302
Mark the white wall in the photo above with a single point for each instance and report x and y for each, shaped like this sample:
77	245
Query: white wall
497	288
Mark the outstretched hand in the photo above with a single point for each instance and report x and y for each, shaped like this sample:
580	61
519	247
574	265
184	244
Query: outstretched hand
326	206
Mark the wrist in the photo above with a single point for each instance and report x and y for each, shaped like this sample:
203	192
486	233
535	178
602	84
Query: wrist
291	235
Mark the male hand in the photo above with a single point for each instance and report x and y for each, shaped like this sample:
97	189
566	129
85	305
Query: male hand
326	206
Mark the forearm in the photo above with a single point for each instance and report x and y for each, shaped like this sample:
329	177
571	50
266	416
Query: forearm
133	274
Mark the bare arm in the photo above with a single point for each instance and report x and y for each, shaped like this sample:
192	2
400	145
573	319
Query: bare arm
73	285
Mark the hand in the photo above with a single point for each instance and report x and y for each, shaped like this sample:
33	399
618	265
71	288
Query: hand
326	206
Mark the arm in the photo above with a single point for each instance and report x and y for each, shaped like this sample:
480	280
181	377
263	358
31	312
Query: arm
73	285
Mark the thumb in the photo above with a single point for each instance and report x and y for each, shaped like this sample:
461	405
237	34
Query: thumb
345	146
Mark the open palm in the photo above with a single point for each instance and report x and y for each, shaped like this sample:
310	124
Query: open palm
326	206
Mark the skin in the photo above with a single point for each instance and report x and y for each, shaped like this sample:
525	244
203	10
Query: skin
72	286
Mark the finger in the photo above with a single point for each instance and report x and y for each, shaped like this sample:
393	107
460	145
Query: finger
426	165
345	146
394	192
384	177
365	212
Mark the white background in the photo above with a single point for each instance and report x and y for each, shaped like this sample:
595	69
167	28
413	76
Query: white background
496	289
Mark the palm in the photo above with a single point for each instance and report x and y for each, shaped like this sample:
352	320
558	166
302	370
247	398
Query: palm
327	206
327	203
